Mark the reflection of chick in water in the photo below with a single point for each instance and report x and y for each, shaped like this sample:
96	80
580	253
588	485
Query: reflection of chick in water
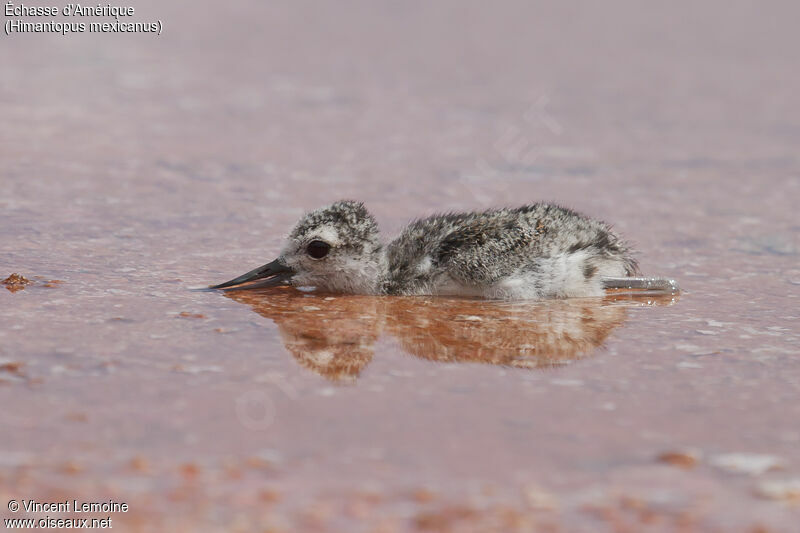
536	334
334	335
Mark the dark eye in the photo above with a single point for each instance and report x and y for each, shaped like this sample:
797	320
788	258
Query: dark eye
318	249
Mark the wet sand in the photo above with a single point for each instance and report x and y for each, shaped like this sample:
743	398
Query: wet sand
137	167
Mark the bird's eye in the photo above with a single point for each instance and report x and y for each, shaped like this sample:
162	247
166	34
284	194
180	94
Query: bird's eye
318	249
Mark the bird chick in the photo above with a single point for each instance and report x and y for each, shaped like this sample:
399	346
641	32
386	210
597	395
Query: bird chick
531	252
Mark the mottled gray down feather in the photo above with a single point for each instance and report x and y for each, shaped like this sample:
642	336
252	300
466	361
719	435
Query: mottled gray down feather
533	251
484	247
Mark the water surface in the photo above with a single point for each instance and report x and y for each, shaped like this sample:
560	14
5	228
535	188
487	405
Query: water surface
134	168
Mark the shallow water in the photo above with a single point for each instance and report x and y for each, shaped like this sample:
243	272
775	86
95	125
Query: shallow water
134	168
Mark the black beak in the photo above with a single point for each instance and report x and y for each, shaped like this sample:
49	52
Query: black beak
275	273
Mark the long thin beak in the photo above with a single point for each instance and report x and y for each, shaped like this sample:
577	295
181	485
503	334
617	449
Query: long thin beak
274	273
